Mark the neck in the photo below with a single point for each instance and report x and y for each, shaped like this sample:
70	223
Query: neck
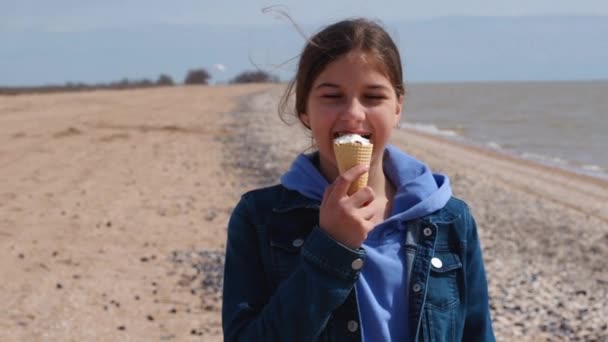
377	180
383	189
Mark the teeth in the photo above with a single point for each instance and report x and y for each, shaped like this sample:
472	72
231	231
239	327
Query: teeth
339	134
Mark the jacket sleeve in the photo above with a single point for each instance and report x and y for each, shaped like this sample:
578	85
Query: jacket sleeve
300	307
478	324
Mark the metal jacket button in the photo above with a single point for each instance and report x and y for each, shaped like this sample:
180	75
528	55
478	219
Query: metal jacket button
352	326
436	262
416	288
297	243
356	264
427	231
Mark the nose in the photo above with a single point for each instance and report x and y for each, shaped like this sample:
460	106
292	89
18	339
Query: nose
353	110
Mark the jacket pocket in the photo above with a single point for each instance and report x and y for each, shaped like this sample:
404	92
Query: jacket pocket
442	298
285	253
439	326
443	289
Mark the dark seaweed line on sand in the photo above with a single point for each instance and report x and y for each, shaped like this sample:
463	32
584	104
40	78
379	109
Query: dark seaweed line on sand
247	146
246	155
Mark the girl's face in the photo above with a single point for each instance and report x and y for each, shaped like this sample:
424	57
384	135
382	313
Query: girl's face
351	96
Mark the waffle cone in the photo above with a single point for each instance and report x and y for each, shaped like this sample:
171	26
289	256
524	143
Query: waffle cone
349	155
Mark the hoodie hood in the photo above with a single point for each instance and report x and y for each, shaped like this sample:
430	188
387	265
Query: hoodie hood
418	193
305	178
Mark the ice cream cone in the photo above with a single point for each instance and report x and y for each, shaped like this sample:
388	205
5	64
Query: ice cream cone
350	154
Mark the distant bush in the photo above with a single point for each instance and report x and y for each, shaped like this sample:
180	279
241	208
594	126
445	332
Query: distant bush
75	85
197	76
164	80
125	83
254	77
122	84
142	83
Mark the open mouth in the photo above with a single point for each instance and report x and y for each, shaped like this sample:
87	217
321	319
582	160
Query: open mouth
367	136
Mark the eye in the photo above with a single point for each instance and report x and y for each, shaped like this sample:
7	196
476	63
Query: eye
331	96
375	97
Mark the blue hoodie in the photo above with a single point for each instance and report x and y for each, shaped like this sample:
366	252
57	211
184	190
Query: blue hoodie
381	291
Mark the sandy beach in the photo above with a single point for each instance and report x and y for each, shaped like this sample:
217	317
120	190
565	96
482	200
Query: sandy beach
114	205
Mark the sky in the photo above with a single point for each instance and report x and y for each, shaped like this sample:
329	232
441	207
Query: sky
61	15
32	32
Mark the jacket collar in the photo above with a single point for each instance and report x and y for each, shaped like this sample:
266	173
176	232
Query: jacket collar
443	216
291	200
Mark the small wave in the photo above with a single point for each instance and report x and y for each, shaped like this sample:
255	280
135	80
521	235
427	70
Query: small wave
429	128
543	158
593	168
588	169
494	145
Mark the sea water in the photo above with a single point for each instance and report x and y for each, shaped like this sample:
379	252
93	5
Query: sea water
563	124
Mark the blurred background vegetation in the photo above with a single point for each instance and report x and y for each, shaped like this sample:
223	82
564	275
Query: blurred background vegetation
198	76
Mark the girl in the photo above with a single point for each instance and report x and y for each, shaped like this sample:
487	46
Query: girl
398	260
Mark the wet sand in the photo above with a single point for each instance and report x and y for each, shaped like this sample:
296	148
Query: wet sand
114	204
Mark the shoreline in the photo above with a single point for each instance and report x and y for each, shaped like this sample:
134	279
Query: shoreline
551	182
568	166
513	156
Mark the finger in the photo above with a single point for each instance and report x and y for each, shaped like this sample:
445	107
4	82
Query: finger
363	197
367	213
326	193
343	182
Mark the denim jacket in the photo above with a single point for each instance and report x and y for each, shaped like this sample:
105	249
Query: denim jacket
286	280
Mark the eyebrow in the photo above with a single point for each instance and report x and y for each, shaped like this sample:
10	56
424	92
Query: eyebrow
332	85
377	86
325	84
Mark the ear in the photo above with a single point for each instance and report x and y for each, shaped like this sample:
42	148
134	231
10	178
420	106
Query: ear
304	119
399	109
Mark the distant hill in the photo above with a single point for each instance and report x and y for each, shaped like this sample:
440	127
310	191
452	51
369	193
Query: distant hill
443	49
